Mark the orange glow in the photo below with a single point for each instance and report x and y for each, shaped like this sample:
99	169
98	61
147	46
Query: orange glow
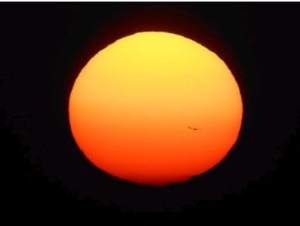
132	104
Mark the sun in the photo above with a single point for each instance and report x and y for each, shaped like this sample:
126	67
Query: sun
155	108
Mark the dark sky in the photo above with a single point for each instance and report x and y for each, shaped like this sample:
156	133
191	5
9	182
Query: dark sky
44	46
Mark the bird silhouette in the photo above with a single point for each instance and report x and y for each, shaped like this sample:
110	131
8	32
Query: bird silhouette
193	128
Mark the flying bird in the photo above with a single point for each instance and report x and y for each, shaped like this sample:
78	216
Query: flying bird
193	128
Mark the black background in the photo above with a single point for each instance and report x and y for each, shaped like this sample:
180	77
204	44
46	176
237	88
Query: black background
43	48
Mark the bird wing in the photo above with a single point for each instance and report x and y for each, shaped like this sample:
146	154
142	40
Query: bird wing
193	128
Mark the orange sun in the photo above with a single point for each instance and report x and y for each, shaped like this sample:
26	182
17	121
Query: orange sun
155	108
